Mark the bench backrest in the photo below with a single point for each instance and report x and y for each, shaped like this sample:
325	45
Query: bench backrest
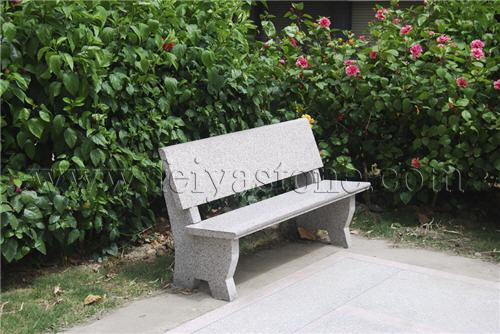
204	170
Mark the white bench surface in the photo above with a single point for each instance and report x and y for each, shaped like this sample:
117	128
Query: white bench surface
257	216
258	152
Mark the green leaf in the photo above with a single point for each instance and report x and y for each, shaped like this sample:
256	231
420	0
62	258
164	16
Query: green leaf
392	52
215	81
406	105
69	60
70	137
61	166
44	116
441	72
12	220
4	85
55	63
268	28
60	203
73	236
99	139
40	246
170	84
36	126
58	123
405	197
207	58
24	114
97	156
71	83
9	249
462	102
28	197
54	219
466	115
32	213
54	89
9	32
116	81
78	161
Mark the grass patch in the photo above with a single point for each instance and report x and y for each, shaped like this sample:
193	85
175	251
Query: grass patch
410	227
38	306
52	299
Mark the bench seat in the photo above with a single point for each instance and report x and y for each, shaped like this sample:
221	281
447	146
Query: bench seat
254	217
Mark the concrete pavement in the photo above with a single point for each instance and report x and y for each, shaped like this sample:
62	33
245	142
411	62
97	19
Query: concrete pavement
312	287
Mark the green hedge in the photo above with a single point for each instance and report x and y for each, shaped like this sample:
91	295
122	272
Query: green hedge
91	89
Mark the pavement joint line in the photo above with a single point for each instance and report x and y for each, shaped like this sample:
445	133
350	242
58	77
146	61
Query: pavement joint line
385	319
351	299
426	271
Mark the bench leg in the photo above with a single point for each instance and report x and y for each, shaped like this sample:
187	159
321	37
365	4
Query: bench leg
217	260
183	270
335	218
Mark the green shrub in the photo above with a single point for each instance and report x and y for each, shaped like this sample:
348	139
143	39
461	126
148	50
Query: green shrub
91	89
403	117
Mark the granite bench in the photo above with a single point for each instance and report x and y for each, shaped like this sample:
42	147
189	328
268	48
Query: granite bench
205	170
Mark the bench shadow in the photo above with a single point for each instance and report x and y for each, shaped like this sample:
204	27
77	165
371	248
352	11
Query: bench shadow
268	265
277	259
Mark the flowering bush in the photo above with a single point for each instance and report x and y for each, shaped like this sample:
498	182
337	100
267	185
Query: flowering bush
411	105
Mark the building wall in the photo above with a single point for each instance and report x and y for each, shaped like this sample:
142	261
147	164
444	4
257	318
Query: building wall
352	15
337	11
363	12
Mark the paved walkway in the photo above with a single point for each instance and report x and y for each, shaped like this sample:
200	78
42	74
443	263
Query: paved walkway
311	287
349	293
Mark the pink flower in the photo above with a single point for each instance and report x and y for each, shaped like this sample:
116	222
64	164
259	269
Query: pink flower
405	30
373	55
302	62
362	38
461	82
324	22
18	190
416	50
349	62
294	42
496	84
282	61
352	70
443	39
431	33
415	163
396	20
477	53
380	14
477	44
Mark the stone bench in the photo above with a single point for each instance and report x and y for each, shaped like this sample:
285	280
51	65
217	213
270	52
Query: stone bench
205	170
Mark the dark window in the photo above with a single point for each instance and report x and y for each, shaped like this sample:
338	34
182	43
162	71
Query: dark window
339	12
